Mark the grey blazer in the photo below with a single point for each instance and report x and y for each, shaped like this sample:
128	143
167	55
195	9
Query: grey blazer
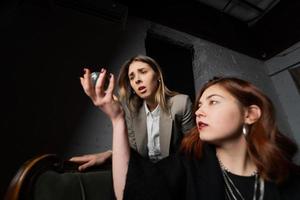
172	126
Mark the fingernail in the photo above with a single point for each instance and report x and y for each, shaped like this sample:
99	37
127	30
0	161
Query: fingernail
102	70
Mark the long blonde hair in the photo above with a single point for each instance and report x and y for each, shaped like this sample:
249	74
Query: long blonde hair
127	94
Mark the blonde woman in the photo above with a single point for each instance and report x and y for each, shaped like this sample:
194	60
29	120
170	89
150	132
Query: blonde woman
156	117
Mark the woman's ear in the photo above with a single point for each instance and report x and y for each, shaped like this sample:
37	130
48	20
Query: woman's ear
252	114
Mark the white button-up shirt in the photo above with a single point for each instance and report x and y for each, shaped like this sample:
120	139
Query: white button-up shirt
153	133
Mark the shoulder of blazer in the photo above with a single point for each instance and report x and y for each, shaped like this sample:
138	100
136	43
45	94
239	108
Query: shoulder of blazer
179	99
179	103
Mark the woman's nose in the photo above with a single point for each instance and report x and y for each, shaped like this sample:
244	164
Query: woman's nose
200	112
137	79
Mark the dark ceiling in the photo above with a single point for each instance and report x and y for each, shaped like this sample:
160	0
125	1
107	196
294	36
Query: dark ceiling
274	32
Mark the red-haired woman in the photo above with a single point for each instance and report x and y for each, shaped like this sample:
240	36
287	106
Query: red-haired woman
235	152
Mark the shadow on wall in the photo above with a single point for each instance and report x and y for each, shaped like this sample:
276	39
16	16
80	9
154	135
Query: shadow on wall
295	73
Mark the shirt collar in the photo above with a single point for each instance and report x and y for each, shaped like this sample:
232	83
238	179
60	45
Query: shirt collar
155	112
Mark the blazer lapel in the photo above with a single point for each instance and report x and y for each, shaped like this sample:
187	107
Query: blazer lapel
140	131
165	132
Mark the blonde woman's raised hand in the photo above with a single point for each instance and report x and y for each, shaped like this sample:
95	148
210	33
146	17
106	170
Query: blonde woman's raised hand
103	99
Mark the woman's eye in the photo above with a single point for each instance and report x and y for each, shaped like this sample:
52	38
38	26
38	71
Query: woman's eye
144	71
213	102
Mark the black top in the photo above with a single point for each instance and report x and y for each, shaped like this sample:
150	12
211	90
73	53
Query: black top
179	177
245	184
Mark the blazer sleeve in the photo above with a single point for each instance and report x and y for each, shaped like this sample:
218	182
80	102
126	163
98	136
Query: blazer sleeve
187	121
131	136
154	181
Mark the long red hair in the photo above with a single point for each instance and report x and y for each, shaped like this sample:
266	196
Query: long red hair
271	151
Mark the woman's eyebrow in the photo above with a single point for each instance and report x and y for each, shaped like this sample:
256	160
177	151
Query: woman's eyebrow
142	68
131	74
139	69
214	95
210	96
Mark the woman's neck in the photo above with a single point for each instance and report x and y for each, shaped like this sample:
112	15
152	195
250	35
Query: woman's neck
151	104
234	158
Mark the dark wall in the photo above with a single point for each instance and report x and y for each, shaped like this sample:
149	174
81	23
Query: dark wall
43	51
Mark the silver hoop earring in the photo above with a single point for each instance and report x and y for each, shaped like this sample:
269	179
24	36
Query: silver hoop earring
245	130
